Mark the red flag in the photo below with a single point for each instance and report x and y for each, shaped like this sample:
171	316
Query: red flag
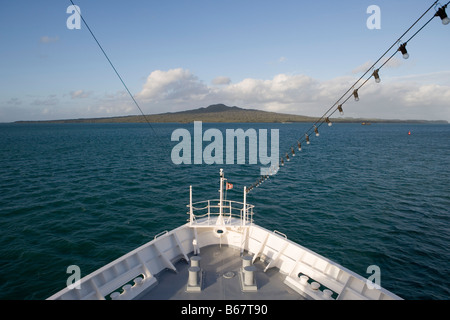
229	186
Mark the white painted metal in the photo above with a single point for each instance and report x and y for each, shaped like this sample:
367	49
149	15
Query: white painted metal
160	253
245	206
300	265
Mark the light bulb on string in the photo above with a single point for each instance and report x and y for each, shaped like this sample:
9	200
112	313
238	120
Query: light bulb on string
401	47
274	169
299	145
403	50
376	76
443	15
355	94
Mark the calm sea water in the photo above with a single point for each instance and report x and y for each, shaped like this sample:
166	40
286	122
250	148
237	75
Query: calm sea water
85	194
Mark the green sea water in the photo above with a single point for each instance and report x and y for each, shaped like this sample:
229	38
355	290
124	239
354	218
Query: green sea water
85	194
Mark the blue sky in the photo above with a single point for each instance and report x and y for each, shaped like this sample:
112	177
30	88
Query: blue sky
295	57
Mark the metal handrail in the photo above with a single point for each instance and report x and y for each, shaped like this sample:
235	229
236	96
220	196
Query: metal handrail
280	233
230	209
161	233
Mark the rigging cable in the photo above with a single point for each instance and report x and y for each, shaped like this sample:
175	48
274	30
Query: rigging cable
325	118
382	56
114	68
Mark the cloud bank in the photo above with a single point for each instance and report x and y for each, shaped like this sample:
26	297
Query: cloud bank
421	97
409	98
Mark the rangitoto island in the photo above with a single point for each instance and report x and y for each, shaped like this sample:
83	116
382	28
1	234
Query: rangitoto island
225	114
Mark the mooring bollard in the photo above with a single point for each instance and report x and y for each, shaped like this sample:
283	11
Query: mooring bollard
246	261
195	261
249	275
193	276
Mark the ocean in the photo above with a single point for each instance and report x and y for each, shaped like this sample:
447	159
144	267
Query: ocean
85	194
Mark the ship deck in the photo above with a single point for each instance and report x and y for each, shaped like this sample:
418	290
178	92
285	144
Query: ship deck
220	267
235	260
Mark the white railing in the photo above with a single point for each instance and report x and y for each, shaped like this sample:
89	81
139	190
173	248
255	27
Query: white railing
206	213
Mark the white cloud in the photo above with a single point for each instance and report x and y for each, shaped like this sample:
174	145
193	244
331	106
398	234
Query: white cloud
283	89
401	100
410	97
441	78
221	80
79	94
179	89
174	84
114	104
427	95
362	68
392	63
116	109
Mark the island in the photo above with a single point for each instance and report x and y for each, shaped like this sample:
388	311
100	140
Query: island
225	114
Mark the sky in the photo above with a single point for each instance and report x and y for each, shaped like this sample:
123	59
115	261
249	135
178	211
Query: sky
288	56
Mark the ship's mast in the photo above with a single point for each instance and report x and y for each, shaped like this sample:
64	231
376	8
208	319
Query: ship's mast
245	206
220	218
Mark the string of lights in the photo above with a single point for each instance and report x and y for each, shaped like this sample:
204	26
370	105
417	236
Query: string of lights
337	106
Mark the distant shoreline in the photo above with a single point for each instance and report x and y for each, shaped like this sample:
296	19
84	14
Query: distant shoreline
221	113
338	120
